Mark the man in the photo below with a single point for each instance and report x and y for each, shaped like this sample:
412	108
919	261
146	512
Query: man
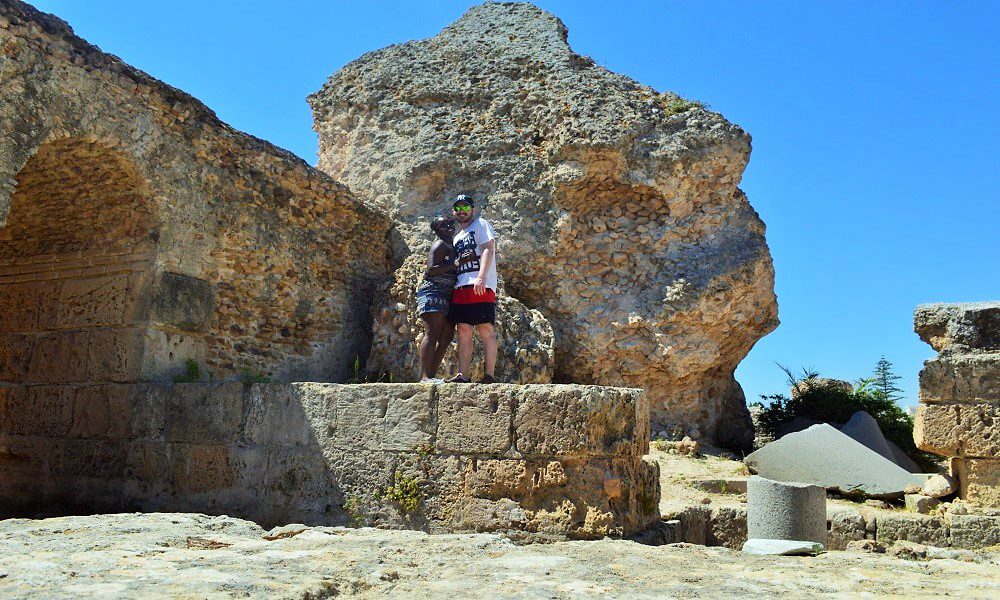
473	304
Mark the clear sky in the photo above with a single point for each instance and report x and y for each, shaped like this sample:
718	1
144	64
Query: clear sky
876	131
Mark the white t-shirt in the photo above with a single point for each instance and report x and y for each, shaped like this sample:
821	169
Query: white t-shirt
476	235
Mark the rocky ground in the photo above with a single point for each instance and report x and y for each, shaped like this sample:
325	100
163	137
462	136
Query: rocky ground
189	555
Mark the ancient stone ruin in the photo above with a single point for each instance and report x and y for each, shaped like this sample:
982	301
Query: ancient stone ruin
178	330
617	208
959	414
146	247
140	232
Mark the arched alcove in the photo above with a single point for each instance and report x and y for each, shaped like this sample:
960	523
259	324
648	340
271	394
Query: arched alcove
74	261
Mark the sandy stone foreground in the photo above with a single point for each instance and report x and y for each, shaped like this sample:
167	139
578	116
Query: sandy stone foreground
197	556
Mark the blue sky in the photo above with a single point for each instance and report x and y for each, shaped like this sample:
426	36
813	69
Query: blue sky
875	126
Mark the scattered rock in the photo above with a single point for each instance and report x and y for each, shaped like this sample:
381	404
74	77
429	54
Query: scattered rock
908	550
913	489
957	507
822	455
200	543
953	554
722	486
920	503
866	546
285	531
939	486
875	503
686	446
781	547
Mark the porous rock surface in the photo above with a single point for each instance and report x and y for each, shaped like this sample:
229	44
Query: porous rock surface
959	412
191	555
616	207
525	339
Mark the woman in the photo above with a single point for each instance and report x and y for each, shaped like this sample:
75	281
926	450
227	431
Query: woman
434	297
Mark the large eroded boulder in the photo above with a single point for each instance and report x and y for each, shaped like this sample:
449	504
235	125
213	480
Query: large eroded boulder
616	207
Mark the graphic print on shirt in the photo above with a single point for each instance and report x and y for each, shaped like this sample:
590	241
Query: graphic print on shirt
468	243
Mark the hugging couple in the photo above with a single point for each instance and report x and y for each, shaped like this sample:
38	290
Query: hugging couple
459	289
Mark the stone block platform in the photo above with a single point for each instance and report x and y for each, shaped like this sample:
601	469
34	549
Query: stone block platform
561	461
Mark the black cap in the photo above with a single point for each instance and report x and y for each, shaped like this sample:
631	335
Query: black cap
463	199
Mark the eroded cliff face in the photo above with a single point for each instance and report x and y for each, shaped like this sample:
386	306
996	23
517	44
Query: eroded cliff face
617	207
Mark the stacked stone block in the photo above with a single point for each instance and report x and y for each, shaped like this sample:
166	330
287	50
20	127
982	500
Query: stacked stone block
959	416
537	460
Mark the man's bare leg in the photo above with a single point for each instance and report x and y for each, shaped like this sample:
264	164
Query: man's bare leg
465	332
489	339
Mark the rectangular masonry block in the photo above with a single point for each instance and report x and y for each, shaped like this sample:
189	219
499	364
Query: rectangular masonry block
44	410
149	411
88	356
474	419
958	429
103	411
974	531
567	420
396	417
24	305
274	415
978	480
199	413
92	302
15	356
968	378
12	401
330	453
969	325
208	467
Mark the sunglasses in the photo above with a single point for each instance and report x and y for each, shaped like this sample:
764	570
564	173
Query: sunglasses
461	208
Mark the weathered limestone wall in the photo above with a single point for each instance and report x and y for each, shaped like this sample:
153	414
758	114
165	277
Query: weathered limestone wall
137	231
959	414
536	459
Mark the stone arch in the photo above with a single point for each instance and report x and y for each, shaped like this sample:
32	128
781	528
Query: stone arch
75	255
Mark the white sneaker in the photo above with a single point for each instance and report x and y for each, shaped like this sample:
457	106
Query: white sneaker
432	380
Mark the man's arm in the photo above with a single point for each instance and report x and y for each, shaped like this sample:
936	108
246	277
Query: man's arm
479	285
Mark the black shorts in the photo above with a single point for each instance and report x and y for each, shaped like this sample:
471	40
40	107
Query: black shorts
473	314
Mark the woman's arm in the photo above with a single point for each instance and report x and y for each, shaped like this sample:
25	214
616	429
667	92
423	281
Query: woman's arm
436	265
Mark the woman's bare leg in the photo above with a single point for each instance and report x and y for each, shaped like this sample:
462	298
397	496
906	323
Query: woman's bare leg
443	341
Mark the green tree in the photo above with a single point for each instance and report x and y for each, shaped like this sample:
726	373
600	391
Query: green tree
884	381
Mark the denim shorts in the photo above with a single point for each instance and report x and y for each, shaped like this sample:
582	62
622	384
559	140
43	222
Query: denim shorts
433	298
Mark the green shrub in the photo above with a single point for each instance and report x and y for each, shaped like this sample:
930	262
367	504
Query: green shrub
404	493
192	372
673	104
248	376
